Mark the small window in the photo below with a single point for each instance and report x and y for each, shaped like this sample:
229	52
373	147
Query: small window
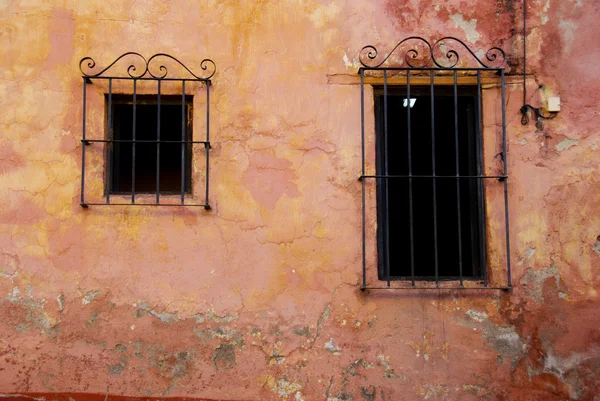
142	148
160	155
444	213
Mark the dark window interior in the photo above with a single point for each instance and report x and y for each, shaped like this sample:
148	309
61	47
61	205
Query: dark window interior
146	153
397	212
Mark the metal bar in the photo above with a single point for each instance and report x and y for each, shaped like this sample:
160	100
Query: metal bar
147	79
480	190
207	143
457	180
158	144
83	145
428	69
385	157
139	141
524	52
498	177
362	152
133	144
182	144
433	172
109	152
505	172
410	193
438	288
148	204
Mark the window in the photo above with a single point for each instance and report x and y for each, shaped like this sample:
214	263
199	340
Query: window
145	152
451	209
428	175
153	145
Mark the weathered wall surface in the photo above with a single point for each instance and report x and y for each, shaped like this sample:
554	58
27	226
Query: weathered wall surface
259	299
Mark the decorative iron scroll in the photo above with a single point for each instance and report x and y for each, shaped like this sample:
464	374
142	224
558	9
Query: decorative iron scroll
146	68
423	54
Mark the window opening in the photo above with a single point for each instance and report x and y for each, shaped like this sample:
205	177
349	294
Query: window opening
148	148
431	222
149	141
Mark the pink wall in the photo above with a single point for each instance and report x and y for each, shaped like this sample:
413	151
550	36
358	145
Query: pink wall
259	298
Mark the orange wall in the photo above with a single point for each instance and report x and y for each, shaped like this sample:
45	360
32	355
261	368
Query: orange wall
259	298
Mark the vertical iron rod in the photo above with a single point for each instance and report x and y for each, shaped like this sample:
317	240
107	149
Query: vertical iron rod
207	144
433	172
110	144
385	157
524	52
457	180
505	173
133	143
182	141
83	145
362	152
158	145
481	185
410	194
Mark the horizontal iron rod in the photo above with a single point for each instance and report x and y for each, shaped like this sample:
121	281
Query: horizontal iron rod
436	288
148	79
146	204
434	176
426	69
140	141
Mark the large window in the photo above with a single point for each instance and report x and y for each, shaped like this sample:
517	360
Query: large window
434	167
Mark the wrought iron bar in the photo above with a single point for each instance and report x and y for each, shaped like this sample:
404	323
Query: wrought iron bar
498	177
434	182
207	143
457	180
362	153
481	189
83	145
385	161
158	142
182	144
505	172
109	150
410	187
133	143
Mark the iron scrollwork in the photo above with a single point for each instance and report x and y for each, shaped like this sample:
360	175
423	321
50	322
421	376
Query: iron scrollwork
424	54
144	67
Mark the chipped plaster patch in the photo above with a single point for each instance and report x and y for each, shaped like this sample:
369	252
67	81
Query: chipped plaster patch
533	281
476	315
469	27
503	339
566	144
163	317
329	346
284	389
210	316
89	297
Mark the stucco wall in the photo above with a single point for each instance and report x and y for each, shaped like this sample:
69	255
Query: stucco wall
259	298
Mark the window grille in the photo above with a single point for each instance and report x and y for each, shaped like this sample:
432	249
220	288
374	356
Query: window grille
419	70
139	91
